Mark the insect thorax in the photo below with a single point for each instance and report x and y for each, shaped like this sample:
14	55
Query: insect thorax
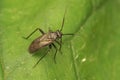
55	35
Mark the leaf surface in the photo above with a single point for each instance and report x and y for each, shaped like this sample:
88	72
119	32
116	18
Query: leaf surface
91	54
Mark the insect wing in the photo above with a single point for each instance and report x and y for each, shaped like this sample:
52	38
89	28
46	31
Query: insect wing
39	43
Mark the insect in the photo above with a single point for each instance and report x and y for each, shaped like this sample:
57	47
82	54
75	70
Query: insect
47	39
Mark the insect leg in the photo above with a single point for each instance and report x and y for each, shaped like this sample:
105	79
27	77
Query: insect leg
55	52
34	32
50	46
59	43
41	31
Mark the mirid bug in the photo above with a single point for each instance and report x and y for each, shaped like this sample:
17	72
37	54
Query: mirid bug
47	39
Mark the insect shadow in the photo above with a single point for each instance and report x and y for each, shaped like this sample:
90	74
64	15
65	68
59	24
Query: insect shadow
47	39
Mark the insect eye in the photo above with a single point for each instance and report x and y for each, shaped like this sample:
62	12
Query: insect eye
59	34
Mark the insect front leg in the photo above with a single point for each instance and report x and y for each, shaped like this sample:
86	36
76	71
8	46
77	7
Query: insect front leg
55	52
34	32
60	44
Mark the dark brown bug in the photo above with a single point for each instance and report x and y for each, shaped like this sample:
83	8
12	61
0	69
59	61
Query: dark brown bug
47	39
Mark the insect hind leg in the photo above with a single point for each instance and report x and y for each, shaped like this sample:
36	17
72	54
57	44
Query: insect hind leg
50	46
34	32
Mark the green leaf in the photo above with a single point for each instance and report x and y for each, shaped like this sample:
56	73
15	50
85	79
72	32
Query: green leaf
91	54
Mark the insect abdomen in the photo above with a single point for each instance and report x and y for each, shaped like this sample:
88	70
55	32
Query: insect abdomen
33	47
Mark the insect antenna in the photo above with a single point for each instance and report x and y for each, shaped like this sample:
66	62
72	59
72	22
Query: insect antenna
68	34
63	21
